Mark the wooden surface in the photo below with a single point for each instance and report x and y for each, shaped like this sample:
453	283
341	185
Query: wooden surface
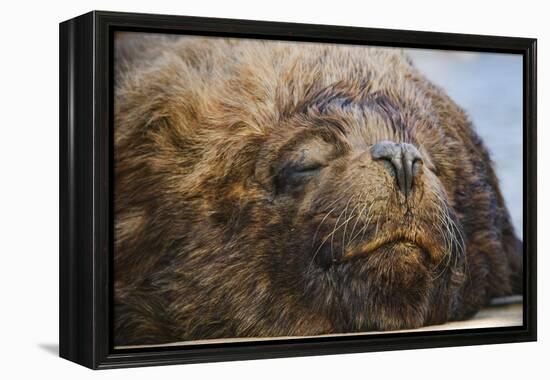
502	312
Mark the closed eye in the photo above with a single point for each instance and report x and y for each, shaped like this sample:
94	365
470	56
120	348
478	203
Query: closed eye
306	169
293	176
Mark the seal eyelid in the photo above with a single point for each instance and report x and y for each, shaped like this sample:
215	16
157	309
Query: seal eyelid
305	168
300	169
294	175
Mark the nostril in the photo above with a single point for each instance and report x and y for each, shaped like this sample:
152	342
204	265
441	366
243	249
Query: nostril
405	160
416	165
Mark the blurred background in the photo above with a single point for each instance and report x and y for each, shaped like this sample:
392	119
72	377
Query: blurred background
488	86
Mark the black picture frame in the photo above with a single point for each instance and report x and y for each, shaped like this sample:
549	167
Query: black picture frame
86	151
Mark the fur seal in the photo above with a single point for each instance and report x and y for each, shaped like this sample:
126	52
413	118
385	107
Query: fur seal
268	189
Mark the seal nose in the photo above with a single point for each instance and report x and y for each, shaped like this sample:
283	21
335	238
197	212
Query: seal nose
405	160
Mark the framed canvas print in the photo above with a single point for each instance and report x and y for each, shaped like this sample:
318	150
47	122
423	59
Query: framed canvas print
237	189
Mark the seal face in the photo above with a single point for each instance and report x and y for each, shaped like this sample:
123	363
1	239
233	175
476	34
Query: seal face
270	189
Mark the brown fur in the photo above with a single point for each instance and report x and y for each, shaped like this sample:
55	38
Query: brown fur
216	236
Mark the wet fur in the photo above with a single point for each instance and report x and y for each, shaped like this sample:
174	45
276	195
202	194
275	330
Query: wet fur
211	242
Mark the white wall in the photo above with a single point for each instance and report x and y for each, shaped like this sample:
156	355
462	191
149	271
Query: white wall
29	187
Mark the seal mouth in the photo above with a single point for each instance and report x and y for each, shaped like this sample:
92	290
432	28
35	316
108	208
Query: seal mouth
394	243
